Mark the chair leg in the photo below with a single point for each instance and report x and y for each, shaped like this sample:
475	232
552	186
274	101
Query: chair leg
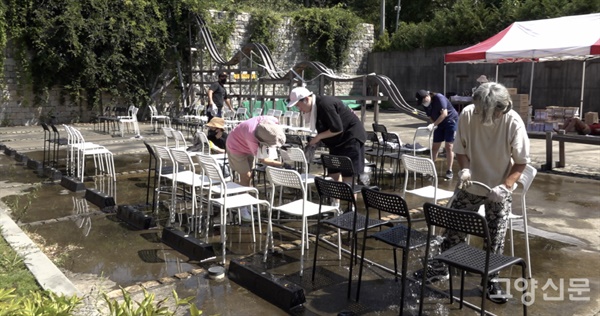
403	283
316	250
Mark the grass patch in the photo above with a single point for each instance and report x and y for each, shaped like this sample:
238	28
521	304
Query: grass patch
13	272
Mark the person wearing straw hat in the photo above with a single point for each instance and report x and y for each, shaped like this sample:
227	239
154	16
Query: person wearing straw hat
336	125
216	135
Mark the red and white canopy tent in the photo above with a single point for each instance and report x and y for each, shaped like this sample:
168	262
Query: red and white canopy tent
564	38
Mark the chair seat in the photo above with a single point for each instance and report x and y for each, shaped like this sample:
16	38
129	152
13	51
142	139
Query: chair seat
189	178
472	259
240	200
233	188
310	208
428	192
346	222
397	236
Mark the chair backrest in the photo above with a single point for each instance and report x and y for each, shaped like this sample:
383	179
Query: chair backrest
183	160
285	177
153	111
464	221
423	133
204	142
419	165
387	202
527	177
339	163
296	155
270	112
294	140
240	113
294	121
165	159
334	190
179	139
212	170
257	112
379	128
277	113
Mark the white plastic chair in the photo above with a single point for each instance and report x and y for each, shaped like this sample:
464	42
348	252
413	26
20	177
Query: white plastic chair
241	113
226	200
79	149
185	173
257	112
180	141
525	180
296	155
302	208
168	132
131	120
156	117
424	166
165	163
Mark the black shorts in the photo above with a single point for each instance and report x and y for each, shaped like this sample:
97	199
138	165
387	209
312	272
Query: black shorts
354	150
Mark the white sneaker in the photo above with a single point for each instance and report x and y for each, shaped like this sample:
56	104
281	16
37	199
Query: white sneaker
245	214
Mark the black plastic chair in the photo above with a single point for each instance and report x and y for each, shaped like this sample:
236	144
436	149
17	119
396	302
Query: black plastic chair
350	221
393	154
57	141
47	146
399	236
463	256
340	164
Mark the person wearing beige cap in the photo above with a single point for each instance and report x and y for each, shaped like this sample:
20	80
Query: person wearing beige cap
336	126
256	137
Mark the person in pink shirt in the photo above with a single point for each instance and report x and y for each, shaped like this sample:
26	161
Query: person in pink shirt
256	137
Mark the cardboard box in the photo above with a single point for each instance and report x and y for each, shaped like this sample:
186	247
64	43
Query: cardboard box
542	115
591	118
571	112
520	98
512	90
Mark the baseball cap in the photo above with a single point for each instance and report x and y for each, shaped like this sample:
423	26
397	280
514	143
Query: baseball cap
421	94
270	133
298	94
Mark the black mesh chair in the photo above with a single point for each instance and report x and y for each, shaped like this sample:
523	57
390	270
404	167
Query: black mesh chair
463	256
340	164
399	236
350	221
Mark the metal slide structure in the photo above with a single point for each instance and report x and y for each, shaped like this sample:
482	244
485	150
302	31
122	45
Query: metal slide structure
385	84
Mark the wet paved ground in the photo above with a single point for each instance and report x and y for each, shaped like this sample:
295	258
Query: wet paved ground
97	252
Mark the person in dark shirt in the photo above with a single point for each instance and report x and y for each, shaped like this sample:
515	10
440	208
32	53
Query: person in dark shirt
336	126
443	115
217	97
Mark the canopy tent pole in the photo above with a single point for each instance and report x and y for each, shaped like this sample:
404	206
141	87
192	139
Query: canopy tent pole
496	72
445	79
582	89
531	81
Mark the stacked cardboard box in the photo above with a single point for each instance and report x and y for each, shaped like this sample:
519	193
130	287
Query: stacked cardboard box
552	117
521	105
591	117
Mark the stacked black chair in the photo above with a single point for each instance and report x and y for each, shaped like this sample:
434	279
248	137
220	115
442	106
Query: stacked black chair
399	236
463	256
350	221
341	164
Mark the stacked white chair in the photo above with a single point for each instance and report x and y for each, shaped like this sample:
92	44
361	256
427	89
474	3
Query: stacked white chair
130	120
79	149
156	117
229	195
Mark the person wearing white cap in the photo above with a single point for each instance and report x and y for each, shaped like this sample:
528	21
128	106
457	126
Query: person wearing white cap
443	115
336	126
